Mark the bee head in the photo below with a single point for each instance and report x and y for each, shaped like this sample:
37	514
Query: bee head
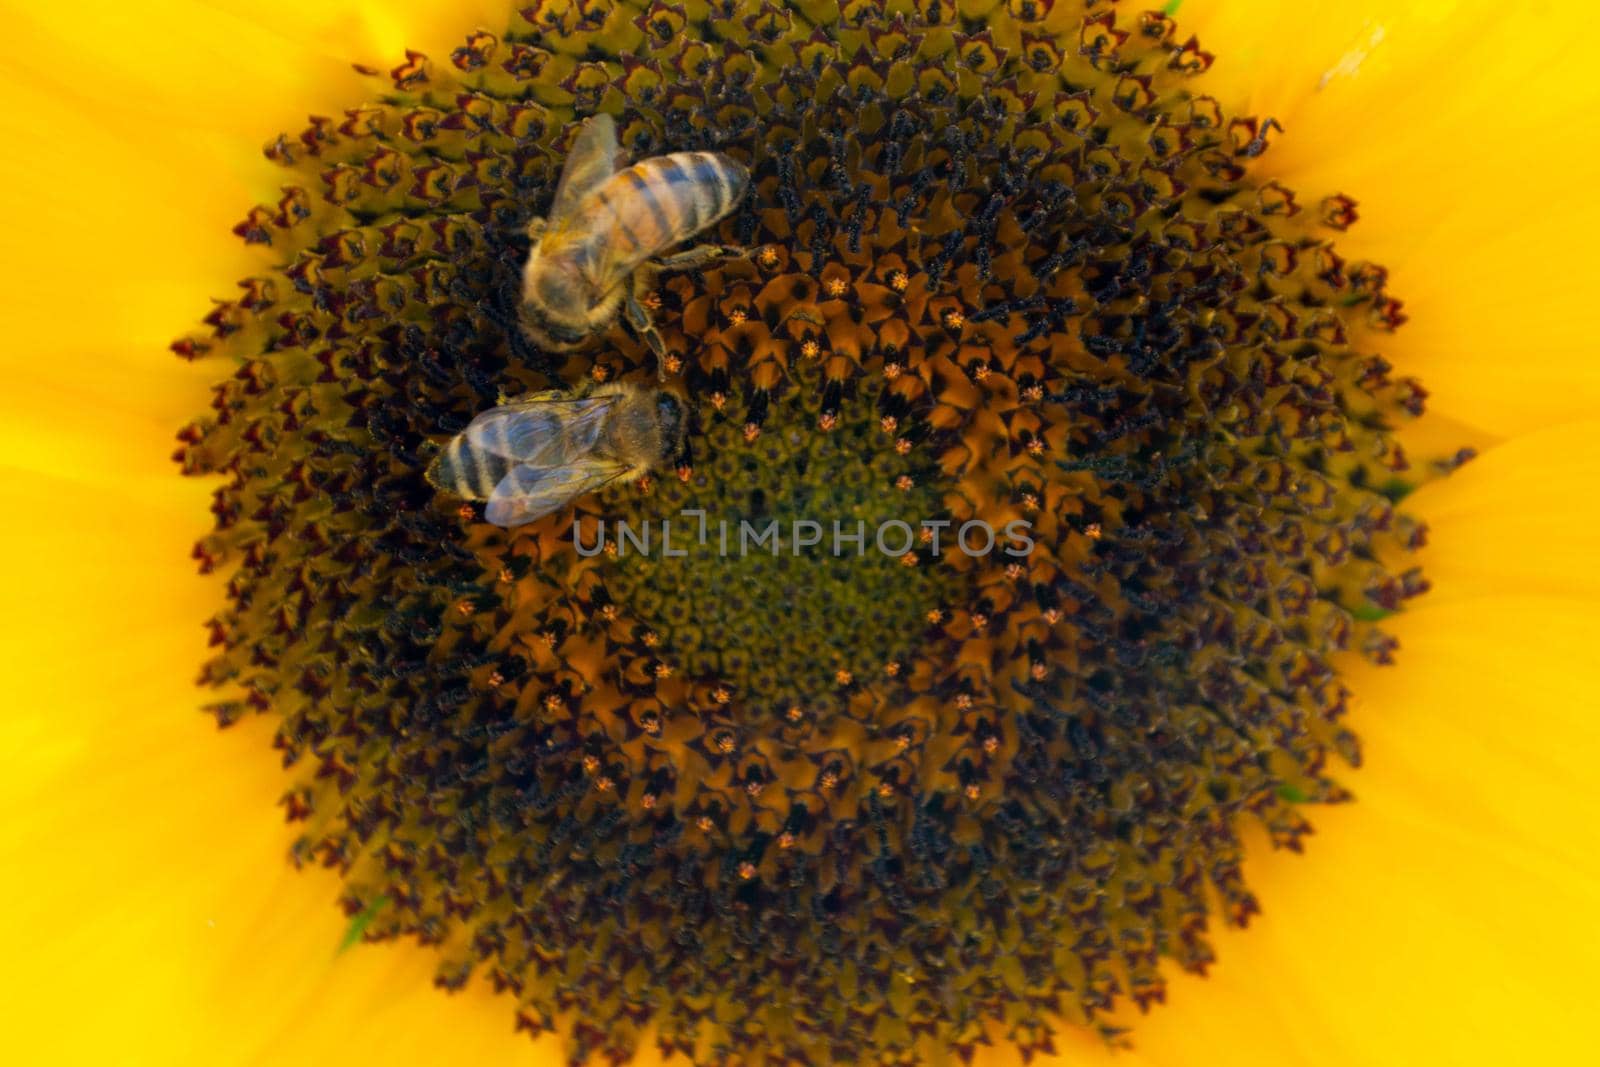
556	305
548	332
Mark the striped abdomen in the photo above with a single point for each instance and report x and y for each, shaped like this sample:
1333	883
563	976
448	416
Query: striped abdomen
545	429
467	469
660	201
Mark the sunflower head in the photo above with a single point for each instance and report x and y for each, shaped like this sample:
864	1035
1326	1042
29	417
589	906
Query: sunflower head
1099	416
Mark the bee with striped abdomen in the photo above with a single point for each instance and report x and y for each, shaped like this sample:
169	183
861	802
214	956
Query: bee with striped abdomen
533	455
597	252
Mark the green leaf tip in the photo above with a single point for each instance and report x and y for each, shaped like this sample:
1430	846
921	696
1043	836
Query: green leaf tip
359	923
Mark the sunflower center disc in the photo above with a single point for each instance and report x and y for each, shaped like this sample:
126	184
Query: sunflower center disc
1008	264
784	622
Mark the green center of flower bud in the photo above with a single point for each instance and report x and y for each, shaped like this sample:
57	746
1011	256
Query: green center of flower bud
800	570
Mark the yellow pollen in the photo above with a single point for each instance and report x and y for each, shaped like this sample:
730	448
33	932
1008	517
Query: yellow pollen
747	870
724	743
768	256
908	560
935	616
648	801
886	789
1092	531
1014	571
603	784
991	743
506	575
591	764
673	364
651	300
903	445
898	281
980	373
827	422
828	780
552	703
888	423
954	319
904	483
795	714
753	788
496	679
786	840
835	287
843	677
810	349
663	670
722	695
891	668
736	316
598	373
973	792
892	370
980	621
1033	394
704	824
963	702
1039	671
466	512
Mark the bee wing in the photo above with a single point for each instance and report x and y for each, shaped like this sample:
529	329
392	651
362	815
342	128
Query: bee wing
540	429
591	161
527	492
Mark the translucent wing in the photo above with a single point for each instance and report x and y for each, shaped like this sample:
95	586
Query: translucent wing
592	160
542	429
528	493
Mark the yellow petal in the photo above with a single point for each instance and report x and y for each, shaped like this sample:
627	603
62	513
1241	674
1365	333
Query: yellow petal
1458	126
134	136
149	911
1521	518
1447	915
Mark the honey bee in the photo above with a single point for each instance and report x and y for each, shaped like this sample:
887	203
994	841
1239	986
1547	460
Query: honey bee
533	455
597	252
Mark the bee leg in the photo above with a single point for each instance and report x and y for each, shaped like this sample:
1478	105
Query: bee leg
639	319
699	256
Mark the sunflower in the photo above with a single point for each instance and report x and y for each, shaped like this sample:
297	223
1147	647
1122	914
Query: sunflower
935	819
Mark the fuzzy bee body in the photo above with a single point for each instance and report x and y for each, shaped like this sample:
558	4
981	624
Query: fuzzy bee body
597	252
534	455
661	201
